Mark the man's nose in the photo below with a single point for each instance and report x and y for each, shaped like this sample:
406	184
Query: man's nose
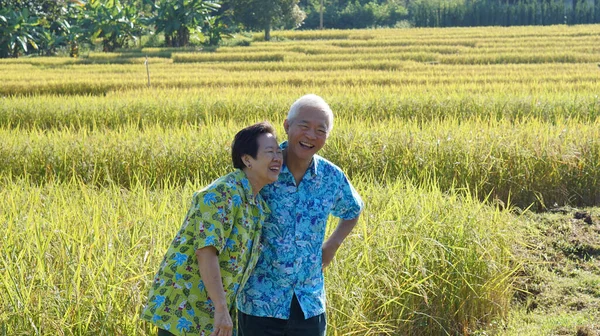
311	134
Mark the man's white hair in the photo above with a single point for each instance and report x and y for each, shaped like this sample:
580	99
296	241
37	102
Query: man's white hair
311	101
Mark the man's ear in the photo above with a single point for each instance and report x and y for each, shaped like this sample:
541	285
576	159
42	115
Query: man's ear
286	126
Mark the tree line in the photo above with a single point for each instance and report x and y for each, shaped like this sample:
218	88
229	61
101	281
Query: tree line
472	13
45	26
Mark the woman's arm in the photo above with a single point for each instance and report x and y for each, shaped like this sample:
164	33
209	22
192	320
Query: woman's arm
210	271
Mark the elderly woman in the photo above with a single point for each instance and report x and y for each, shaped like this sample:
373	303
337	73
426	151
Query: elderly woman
212	255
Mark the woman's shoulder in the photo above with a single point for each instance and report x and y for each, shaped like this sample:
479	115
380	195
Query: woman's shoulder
226	185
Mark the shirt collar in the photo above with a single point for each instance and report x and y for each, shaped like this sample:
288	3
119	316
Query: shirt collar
242	179
313	163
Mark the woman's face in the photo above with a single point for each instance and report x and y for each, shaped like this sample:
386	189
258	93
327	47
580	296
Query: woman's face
267	165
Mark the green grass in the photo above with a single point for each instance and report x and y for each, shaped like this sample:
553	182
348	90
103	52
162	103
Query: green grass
543	324
410	74
79	259
559	288
448	134
525	163
226	57
173	107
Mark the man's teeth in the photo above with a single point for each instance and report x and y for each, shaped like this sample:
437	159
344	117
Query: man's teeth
306	144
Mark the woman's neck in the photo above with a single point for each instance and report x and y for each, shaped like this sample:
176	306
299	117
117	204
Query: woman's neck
254	183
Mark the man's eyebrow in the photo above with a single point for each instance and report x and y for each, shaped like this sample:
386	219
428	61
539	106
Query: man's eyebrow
324	125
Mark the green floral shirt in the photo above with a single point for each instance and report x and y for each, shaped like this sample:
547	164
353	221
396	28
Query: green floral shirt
227	216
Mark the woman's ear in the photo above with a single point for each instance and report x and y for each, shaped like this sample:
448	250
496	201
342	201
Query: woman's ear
246	160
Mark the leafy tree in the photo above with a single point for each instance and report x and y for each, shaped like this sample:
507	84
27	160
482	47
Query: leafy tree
41	25
215	30
354	14
17	30
262	14
56	25
115	22
177	18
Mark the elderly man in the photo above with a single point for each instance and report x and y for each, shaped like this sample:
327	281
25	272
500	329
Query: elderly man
285	293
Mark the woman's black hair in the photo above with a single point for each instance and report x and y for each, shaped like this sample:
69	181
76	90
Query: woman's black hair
245	142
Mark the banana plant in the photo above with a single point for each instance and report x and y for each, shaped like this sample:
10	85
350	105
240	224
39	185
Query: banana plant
215	30
115	22
49	40
177	18
17	28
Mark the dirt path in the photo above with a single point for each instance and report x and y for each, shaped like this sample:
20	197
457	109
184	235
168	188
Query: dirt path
560	282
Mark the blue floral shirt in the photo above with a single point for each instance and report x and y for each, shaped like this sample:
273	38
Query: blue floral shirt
292	238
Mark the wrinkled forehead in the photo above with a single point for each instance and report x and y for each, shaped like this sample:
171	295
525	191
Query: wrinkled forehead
313	116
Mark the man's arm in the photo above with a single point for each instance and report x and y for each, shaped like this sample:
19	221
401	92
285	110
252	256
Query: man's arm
334	241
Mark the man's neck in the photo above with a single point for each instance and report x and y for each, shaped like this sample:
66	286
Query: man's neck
296	166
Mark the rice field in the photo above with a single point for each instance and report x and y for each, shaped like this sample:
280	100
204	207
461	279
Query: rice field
448	134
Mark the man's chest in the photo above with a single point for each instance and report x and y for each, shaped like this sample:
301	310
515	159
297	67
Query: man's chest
301	209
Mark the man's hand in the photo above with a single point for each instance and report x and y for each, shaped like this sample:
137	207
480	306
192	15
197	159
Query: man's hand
328	250
223	325
334	242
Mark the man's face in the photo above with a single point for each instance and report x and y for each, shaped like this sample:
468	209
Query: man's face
307	132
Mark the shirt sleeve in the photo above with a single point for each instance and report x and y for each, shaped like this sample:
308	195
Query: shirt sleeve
347	204
211	217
